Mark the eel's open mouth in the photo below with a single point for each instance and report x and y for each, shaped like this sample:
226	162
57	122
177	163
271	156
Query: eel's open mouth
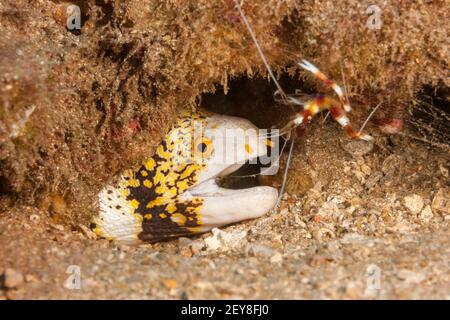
224	206
222	184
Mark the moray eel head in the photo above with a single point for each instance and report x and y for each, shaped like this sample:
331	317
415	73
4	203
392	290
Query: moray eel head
175	192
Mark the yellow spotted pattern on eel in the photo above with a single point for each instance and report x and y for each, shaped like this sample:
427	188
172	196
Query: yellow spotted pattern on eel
153	188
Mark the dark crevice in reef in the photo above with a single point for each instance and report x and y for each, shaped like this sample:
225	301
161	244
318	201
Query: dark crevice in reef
429	115
253	99
5	190
438	96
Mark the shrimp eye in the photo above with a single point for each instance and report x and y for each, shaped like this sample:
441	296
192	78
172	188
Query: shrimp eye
203	147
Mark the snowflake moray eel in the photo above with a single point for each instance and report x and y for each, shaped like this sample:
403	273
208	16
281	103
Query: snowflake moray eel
175	193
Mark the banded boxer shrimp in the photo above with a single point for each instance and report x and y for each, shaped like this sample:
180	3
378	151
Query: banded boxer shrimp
311	106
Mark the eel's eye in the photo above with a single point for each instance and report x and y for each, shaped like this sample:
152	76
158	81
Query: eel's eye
203	147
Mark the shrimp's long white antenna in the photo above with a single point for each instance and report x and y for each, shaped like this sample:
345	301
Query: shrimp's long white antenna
286	170
368	118
258	47
344	83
